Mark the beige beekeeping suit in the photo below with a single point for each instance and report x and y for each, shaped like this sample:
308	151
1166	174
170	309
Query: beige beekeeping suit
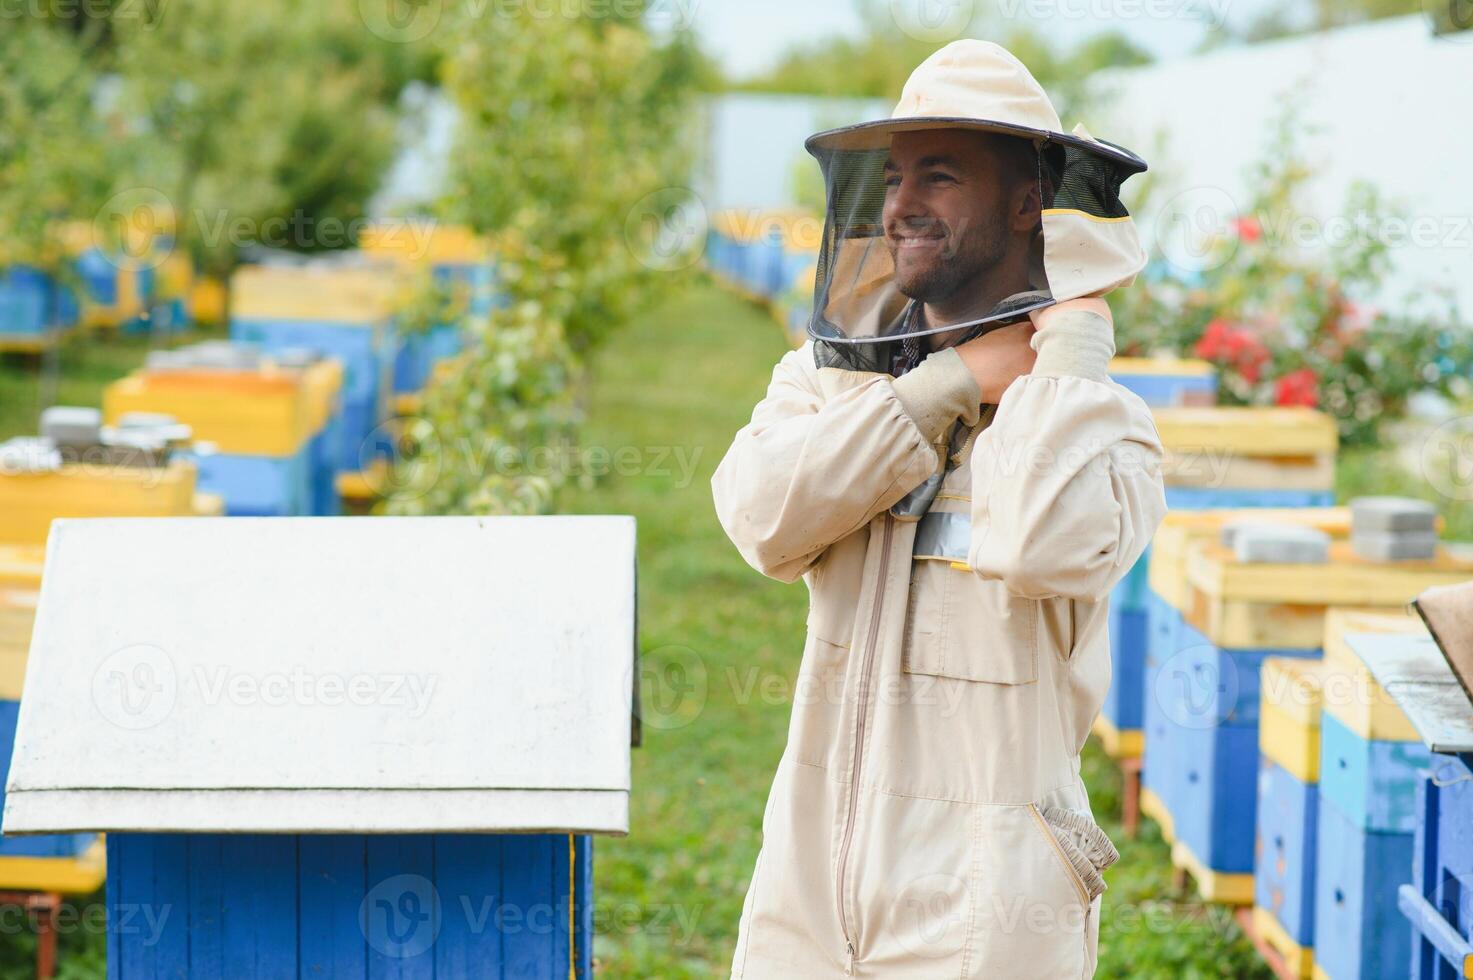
927	818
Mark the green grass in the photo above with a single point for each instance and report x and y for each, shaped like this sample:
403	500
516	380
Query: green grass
721	646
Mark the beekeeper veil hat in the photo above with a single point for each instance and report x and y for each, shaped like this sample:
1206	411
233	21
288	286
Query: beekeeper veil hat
1086	243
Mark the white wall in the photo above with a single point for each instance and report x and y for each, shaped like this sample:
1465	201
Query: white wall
1385	102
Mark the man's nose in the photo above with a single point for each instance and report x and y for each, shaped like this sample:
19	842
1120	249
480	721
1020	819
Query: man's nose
904	203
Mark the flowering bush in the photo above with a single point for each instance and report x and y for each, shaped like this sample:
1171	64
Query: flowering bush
1285	327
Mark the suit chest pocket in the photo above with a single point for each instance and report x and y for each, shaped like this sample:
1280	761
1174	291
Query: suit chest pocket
962	626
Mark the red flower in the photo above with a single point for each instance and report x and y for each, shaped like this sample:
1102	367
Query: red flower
1248	229
1298	388
1214	341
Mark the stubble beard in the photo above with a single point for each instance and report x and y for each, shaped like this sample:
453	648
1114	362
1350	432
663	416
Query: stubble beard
980	250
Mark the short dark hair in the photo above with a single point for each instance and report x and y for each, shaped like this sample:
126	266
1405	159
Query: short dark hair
1021	159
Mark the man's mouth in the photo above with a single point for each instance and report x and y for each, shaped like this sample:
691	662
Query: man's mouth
914	241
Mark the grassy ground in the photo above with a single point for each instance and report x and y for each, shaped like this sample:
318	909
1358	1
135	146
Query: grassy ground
720	648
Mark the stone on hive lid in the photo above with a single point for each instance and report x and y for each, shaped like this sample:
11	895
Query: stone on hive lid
69	426
1281	544
28	454
1392	514
1394	545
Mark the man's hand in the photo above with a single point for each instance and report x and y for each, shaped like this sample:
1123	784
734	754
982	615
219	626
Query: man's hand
999	358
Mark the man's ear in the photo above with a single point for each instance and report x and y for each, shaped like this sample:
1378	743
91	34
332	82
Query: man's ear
1025	207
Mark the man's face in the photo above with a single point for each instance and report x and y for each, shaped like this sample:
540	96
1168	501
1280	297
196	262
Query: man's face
946	219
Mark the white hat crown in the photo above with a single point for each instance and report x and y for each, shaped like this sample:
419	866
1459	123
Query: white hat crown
974	79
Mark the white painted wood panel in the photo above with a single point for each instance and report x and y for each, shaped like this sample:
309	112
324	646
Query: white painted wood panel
430	655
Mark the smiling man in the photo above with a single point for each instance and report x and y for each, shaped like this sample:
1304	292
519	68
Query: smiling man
949	468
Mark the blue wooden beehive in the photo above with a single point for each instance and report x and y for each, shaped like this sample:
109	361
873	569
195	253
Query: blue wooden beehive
1427	878
334	747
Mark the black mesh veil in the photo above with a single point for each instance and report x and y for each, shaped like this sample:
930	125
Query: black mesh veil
859	312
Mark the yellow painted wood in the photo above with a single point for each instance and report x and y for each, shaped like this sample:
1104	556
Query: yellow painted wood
408	403
1247	431
1235	471
270	412
1153	807
1182	529
420	242
79	875
1299	959
361	487
1178	367
1217	887
1249	625
29	502
209	505
1118	744
19	343
1346	580
1353	696
365	296
208	300
21	565
800	231
1289	743
17	620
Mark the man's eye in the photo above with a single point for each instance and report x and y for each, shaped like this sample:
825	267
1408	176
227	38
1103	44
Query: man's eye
892	181
940	178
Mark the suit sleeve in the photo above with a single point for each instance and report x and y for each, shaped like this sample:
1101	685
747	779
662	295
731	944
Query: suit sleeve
1066	482
827	450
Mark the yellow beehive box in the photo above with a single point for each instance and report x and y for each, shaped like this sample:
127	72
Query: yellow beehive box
17	619
352	295
270	412
423	242
1240	604
1175	366
1182	529
1247	447
1289	715
1354	697
29	502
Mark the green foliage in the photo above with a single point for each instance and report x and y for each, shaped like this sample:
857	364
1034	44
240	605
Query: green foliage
877	62
55	150
567	127
1281	304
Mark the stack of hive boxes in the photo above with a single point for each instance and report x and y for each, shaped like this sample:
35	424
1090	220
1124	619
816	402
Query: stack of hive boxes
340	311
1240	610
459	264
1299	697
1215	458
267	420
1161	383
1370	763
73	468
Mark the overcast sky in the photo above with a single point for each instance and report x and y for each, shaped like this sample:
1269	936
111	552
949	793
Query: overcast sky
747	36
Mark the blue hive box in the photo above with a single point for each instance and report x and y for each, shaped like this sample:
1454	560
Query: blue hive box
1284	857
1362	933
1438	903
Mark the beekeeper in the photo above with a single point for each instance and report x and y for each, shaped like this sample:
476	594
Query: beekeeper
947	465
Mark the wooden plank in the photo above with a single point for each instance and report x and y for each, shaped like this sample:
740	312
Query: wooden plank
472	895
403	907
533	885
1413	672
332	876
153	927
1348	579
210	899
1231	471
1246	431
260	937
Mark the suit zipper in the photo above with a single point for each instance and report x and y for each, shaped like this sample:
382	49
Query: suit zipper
861	709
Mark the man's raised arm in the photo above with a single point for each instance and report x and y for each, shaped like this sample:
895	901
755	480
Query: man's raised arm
828	449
